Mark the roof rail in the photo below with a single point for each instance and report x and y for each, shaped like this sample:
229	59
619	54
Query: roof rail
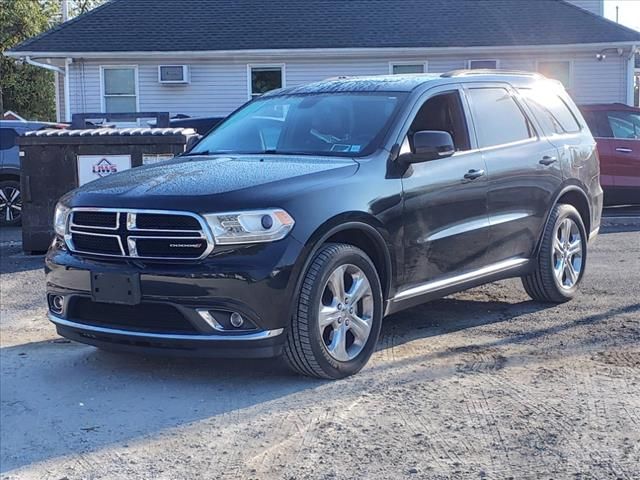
489	71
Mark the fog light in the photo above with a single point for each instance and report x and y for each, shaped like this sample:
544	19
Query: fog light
56	303
236	320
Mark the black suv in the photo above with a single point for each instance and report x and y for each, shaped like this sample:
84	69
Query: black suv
312	212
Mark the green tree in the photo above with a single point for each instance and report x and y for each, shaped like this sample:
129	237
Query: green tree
25	89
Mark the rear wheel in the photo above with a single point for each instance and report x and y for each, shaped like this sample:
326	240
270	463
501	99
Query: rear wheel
562	258
10	203
339	314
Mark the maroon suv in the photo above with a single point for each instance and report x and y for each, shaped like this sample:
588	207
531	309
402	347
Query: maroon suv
616	128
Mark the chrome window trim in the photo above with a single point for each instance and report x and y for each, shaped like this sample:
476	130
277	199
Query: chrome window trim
203	234
264	334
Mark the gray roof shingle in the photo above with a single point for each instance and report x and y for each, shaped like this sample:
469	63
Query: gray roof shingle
211	25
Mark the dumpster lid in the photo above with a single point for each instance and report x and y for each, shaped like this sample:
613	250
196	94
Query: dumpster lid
111	132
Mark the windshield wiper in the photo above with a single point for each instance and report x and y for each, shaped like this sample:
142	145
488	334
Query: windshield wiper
196	154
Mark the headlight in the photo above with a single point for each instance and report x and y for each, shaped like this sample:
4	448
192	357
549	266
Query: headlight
255	226
60	219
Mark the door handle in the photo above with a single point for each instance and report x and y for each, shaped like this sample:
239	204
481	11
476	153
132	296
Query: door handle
623	150
473	174
547	160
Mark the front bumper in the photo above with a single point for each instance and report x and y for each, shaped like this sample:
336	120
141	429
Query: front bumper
262	344
257	281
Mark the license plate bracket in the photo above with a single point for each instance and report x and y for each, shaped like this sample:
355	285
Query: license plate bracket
119	288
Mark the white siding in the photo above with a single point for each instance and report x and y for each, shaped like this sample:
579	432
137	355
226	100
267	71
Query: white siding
594	6
218	87
84	87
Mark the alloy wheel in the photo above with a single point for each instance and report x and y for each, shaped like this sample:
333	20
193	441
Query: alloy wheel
10	204
346	312
567	253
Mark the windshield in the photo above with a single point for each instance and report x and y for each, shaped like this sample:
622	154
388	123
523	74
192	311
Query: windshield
345	124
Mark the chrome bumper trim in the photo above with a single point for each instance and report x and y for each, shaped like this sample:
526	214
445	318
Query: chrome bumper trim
162	336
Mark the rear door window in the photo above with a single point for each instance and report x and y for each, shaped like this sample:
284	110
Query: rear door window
624	125
497	117
7	138
552	112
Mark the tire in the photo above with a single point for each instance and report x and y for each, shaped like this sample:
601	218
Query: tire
10	203
561	260
318	351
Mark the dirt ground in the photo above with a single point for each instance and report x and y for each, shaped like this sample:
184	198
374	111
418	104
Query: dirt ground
483	384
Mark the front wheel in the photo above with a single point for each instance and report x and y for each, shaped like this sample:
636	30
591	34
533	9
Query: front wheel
10	203
562	258
338	317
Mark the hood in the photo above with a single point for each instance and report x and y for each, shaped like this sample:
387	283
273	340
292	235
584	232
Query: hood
178	183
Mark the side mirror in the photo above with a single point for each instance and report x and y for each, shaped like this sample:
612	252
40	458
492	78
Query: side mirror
430	145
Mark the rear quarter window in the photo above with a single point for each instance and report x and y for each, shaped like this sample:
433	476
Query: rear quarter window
550	110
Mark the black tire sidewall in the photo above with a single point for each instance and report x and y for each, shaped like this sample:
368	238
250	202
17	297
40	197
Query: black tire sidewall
332	367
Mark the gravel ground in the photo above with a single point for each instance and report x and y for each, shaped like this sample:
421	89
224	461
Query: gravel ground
483	384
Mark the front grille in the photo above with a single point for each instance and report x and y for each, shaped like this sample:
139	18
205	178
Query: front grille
154	221
145	317
104	245
139	234
174	247
95	219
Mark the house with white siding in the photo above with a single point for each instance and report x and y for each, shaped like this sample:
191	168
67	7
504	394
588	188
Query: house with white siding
207	57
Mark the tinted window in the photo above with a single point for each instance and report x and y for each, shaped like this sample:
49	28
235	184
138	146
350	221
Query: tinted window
552	112
497	117
319	124
624	124
7	138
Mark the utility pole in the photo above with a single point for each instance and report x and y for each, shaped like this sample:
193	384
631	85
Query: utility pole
64	5
617	11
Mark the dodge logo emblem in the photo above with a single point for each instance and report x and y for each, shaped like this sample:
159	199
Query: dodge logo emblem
185	245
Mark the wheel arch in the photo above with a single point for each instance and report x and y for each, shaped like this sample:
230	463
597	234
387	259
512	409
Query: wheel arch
360	230
575	196
9	174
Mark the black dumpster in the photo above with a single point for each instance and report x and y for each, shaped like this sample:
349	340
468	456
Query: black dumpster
54	162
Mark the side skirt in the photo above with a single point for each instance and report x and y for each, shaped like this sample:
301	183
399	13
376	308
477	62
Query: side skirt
432	290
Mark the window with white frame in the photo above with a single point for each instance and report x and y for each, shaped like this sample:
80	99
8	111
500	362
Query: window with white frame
483	64
264	78
119	87
404	68
558	70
